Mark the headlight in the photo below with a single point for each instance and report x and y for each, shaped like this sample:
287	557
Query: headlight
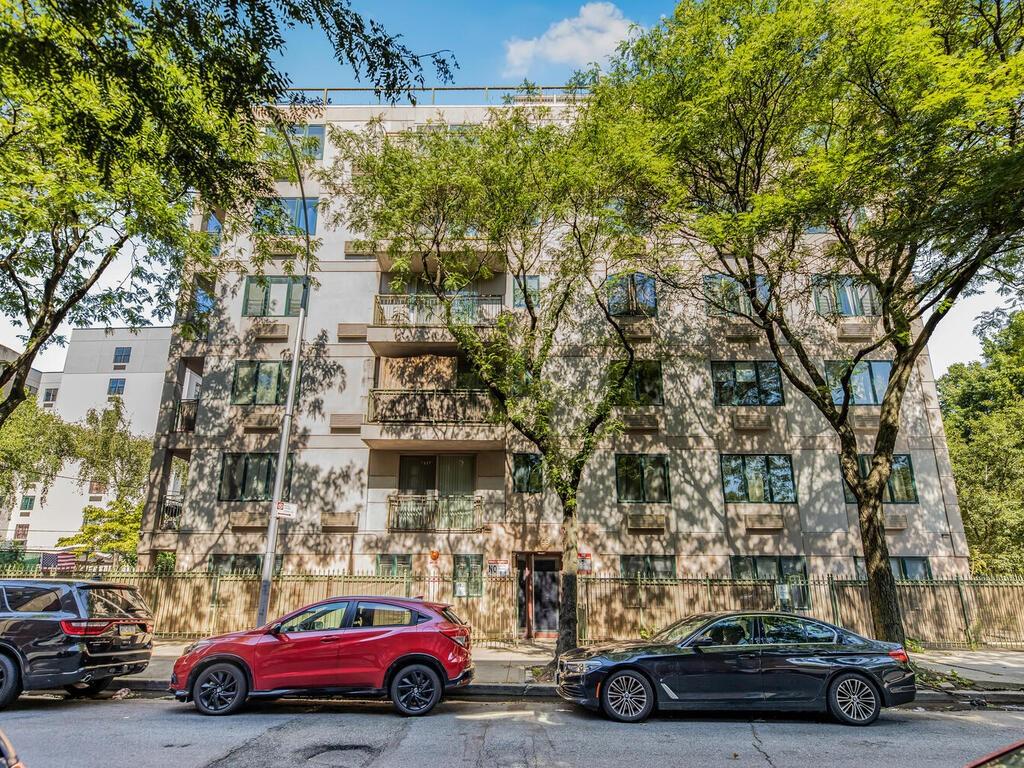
195	646
580	667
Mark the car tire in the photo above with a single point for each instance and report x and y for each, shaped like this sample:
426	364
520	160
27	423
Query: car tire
415	690
220	689
91	688
627	696
854	700
10	681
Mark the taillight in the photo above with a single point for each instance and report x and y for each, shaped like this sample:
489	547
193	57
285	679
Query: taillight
456	634
900	655
85	627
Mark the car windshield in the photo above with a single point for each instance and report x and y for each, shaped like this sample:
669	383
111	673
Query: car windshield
114	601
682	629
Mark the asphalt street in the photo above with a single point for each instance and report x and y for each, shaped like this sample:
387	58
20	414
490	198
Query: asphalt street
139	733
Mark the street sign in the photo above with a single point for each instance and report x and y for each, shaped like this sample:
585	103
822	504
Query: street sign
286	510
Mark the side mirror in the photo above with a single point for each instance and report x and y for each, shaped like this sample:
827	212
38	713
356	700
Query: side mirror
702	642
275	629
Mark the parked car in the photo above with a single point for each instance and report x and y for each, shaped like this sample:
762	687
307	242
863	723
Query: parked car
762	660
1008	757
408	650
76	635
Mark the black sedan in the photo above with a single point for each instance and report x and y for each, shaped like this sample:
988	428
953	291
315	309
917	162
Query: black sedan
762	660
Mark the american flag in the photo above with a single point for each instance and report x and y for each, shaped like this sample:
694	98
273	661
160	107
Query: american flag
62	561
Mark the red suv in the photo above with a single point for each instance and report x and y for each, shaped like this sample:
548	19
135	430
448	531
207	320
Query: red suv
406	649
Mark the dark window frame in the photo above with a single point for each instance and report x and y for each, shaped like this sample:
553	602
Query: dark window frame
633	299
644	457
889	495
28	502
770	486
283	373
646	571
468	563
760	388
116	387
534	473
743	304
532	288
826	288
122	355
268	482
400	564
833	377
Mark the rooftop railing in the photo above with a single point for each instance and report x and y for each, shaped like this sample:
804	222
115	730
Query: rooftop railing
439	95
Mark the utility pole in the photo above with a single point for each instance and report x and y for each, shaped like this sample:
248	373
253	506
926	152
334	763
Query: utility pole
270	554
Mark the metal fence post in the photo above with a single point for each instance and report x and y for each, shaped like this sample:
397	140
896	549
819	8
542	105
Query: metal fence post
833	599
964	610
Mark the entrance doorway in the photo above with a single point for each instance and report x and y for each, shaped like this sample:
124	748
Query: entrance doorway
540	581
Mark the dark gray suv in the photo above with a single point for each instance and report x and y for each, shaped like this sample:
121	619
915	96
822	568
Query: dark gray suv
76	635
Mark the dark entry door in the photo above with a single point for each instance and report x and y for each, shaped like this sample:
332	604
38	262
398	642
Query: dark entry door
546	583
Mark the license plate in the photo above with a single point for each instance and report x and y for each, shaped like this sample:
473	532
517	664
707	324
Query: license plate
127	630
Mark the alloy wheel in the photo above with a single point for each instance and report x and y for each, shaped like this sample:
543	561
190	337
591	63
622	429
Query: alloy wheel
415	690
218	690
855	699
626	696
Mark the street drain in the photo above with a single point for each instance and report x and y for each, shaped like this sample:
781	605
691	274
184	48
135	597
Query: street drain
341	755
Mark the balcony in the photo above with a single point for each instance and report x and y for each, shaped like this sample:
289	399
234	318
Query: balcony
459	419
170	512
185	415
414	512
403	324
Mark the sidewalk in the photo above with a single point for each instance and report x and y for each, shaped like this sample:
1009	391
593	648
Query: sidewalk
989	670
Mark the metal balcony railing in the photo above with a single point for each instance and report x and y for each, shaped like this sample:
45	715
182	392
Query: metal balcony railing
425	311
185	415
415	512
429	406
170	512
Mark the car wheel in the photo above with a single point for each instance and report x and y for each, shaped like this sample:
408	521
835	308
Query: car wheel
220	689
10	681
627	697
415	690
91	688
853	700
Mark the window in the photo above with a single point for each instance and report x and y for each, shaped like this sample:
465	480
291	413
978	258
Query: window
28	502
21	532
644	384
32	599
532	289
728	296
320	618
901	487
789	573
250	477
231	563
735	630
260	382
50	395
903	568
308	139
96	488
122	355
527	473
647	566
272	297
632	294
867	383
758	478
468	575
382	615
846	296
115	387
642	477
747	383
285	216
114	601
786	630
394	565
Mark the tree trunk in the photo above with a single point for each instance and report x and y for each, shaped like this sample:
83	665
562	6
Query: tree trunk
15	397
568	620
885	607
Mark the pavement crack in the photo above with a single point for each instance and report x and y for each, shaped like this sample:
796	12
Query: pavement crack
758	746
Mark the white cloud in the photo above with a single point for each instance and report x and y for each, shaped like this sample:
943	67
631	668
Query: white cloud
589	36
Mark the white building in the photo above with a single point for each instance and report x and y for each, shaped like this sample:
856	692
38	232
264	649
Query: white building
100	364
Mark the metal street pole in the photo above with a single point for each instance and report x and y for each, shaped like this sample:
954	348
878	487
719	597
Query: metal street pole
269	555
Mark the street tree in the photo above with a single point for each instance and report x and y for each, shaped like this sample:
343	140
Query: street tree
892	128
117	119
525	196
34	447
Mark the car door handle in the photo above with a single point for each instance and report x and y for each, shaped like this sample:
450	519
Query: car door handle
329	639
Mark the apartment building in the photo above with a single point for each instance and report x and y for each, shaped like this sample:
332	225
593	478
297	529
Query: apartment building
100	364
722	469
31	383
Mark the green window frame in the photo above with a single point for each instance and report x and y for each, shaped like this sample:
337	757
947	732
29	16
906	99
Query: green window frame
642	478
900	488
867	384
747	382
758	478
845	296
261	382
532	288
527	473
28	502
250	476
726	295
788	571
263	298
645	385
468	576
284	216
903	568
394	564
647	566
632	294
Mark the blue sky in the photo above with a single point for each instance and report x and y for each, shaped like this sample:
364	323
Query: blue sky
493	42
